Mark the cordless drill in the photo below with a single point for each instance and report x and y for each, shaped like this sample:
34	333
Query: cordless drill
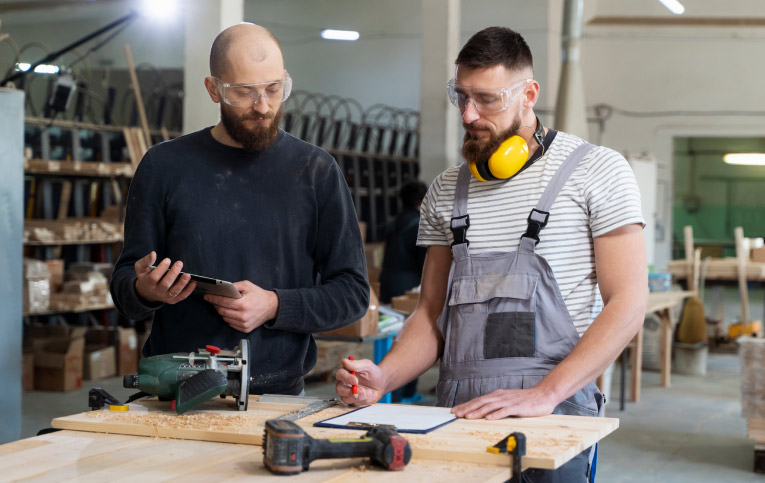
288	450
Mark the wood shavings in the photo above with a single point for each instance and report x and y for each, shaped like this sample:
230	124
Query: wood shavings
234	423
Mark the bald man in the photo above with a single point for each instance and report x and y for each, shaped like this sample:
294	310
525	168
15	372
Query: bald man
246	202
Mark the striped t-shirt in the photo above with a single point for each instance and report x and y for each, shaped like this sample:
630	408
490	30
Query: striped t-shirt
600	196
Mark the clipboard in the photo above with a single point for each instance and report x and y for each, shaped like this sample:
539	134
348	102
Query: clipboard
406	419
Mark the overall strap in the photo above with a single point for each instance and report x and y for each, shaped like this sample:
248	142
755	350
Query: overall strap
539	215
460	219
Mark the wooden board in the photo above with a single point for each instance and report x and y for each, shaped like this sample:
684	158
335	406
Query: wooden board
79	168
551	440
719	269
83	456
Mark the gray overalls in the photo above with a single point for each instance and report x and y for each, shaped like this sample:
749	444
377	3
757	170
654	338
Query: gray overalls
505	324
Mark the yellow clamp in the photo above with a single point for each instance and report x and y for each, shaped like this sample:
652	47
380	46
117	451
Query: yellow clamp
497	448
113	407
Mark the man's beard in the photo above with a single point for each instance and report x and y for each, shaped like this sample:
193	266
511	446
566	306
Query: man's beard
479	151
256	139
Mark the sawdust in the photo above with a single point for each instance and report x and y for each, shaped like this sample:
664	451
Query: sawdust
233	423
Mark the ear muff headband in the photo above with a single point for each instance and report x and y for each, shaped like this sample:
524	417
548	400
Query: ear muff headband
508	159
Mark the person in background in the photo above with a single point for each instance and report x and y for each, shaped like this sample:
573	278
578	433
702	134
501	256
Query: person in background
403	261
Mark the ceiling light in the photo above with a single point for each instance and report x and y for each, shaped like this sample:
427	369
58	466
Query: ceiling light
163	10
747	159
330	34
674	6
40	69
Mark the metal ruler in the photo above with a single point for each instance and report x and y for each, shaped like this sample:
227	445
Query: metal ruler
310	409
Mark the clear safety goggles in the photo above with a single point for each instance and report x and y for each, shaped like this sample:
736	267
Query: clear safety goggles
244	95
484	100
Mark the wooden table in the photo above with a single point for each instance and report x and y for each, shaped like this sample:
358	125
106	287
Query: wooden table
218	443
659	303
86	456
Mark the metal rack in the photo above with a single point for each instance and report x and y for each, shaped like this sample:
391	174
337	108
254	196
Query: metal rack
377	149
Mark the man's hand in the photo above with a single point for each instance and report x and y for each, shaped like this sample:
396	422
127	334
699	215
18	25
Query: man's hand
253	309
369	379
162	284
507	402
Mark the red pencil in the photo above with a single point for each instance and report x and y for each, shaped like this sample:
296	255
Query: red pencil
354	387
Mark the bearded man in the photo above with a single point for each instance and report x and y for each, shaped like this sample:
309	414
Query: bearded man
246	202
535	276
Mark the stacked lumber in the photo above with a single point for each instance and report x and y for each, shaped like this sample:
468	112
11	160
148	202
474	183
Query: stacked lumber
87	290
36	286
79	168
752	355
719	269
71	230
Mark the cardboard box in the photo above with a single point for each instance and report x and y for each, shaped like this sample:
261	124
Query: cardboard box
99	362
127	351
758	255
56	269
28	371
405	303
58	360
364	327
123	340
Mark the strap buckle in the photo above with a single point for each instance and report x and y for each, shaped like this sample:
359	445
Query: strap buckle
459	226
535	224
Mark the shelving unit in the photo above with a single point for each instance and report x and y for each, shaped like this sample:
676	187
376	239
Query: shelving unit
76	173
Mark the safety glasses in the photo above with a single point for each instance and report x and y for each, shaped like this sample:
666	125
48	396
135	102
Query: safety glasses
484	100
243	95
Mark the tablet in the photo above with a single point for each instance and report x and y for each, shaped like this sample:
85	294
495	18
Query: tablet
211	285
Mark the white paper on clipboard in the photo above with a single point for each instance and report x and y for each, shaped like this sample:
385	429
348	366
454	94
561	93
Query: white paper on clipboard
407	419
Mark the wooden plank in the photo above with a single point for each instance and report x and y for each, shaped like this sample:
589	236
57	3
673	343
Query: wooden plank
86	456
742	256
636	361
137	92
78	168
676	21
551	440
720	269
127	135
688	239
66	196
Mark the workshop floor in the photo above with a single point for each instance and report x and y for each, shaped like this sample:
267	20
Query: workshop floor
691	431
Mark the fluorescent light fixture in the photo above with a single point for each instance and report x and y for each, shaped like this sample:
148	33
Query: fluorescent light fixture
673	6
330	34
746	159
162	10
40	69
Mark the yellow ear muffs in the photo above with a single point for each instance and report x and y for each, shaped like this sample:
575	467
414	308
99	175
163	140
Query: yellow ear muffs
509	157
507	160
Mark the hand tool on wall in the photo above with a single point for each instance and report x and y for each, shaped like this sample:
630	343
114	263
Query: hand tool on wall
515	444
192	378
288	450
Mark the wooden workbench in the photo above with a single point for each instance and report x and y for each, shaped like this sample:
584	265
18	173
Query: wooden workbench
144	444
659	303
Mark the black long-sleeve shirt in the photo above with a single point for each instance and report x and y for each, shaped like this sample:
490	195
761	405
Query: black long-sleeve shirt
281	218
